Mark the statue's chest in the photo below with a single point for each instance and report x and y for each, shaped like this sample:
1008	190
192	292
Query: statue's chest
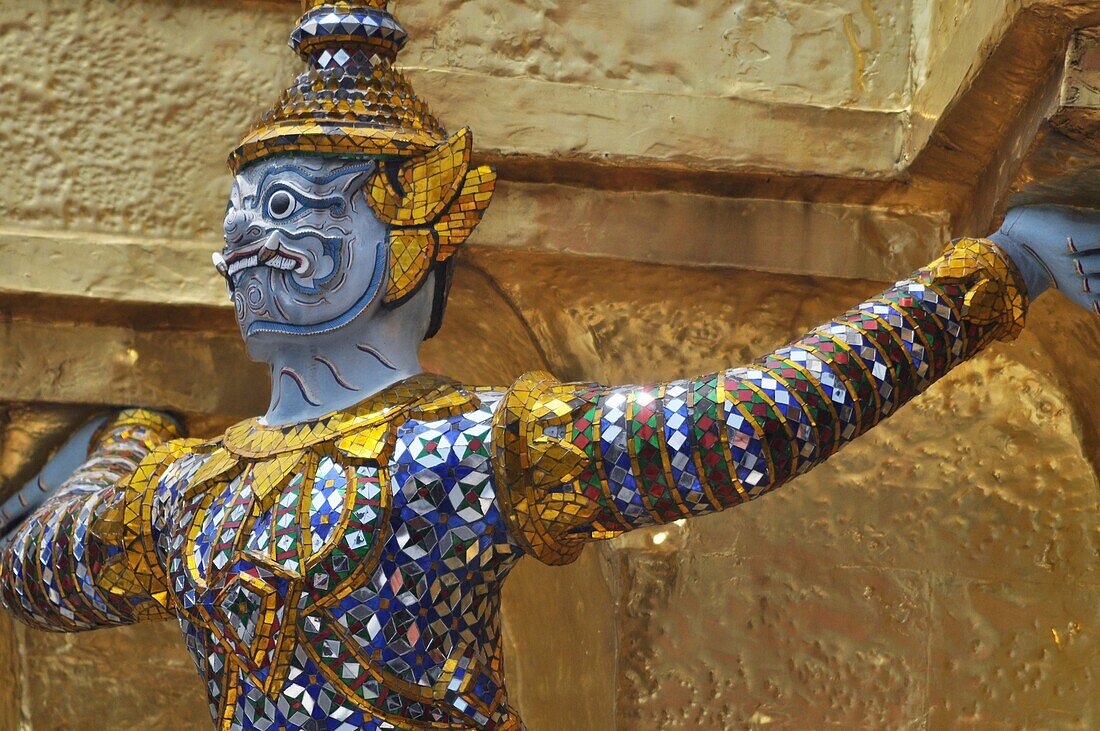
261	549
327	517
376	578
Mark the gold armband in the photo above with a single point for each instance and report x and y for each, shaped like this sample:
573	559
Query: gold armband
536	469
996	292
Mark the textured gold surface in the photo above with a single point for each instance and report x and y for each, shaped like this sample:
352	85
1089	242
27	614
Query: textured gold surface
929	596
207	65
30	433
235	60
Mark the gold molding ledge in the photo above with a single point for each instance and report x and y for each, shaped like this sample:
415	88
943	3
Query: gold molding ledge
826	239
730	142
972	155
67	348
584	125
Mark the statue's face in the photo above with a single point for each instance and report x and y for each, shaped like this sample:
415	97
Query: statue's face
304	254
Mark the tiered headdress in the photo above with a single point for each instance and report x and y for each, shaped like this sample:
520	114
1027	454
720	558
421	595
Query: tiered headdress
352	102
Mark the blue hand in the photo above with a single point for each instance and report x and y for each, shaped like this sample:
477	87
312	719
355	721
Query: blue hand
1055	246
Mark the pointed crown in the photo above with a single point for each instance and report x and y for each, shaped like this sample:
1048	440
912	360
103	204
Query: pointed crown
351	101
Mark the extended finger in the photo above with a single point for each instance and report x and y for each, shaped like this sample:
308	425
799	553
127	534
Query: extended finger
1083	245
1086	263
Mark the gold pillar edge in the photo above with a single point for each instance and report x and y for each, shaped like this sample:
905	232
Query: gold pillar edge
855	241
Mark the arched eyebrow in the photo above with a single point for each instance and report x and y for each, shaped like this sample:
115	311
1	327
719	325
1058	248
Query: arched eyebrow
311	176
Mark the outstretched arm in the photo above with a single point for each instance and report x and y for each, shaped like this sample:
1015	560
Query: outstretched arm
55	565
583	461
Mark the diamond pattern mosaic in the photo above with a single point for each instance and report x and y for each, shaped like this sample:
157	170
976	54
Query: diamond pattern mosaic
346	573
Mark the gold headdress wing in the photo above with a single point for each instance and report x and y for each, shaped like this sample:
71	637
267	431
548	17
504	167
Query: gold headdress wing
432	204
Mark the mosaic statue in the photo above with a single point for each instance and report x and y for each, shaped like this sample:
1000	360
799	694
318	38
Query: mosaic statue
338	562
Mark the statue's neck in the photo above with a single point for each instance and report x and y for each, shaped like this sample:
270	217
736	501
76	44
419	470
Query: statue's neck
312	377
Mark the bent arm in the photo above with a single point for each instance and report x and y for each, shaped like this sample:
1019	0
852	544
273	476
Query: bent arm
586	461
52	565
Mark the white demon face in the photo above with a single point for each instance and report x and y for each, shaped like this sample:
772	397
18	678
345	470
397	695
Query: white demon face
304	253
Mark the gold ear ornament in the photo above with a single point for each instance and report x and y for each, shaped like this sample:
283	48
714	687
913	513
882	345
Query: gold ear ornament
432	204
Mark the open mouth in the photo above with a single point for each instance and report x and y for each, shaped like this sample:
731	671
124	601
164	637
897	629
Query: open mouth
268	252
312	258
284	262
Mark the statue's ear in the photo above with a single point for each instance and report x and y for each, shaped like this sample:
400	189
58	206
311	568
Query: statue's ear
416	192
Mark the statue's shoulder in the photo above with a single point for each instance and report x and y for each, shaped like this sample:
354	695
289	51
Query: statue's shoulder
536	461
539	397
528	399
174	462
451	431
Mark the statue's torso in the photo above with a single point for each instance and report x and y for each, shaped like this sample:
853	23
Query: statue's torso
356	593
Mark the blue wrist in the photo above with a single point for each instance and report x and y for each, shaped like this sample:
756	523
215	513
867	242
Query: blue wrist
1036	277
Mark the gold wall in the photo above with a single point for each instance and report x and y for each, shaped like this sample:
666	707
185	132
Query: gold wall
684	186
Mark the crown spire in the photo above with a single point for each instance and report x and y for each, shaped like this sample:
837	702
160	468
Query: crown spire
353	36
351	101
308	5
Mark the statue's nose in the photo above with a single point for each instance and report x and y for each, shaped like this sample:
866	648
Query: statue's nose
239	226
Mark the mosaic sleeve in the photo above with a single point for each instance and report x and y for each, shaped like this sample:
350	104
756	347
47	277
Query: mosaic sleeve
56	570
583	461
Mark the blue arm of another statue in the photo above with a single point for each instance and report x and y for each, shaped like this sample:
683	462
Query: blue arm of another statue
1055	246
63	463
59	564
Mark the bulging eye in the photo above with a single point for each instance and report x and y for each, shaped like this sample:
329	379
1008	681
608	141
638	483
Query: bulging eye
281	204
